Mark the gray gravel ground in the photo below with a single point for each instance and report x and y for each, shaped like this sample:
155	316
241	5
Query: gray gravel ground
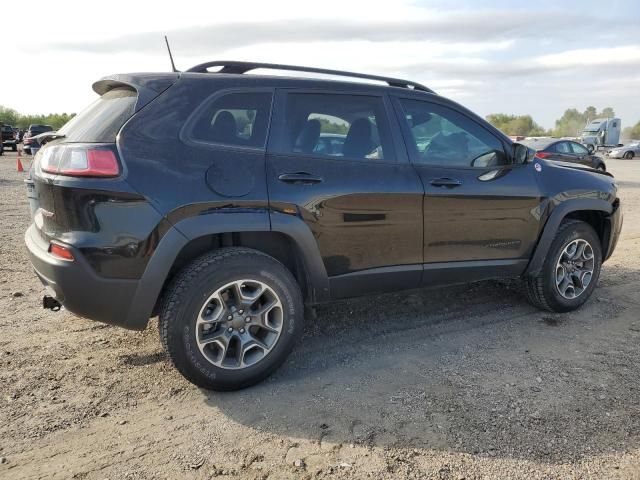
460	383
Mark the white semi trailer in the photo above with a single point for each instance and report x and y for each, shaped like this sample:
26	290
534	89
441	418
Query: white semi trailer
601	133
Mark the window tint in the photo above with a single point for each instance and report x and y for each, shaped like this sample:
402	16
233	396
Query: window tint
445	137
239	119
329	125
563	147
579	149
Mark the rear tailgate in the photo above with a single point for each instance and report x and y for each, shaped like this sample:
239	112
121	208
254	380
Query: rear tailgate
72	200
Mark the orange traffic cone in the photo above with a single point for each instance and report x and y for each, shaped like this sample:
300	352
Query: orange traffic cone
19	165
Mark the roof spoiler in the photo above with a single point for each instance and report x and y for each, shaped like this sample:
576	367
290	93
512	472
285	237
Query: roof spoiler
147	85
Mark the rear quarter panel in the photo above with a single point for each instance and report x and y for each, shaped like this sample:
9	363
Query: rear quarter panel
172	174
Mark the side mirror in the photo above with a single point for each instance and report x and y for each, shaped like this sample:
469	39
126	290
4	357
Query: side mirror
522	154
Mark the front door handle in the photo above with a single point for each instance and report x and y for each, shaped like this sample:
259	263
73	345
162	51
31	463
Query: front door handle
446	182
299	177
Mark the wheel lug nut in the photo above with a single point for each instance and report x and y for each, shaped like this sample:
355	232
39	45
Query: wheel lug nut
230	329
240	312
229	317
242	330
248	319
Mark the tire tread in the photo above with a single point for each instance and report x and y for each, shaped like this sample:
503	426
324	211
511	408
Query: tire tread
177	290
534	285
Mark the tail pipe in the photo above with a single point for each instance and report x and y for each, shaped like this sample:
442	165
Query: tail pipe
51	303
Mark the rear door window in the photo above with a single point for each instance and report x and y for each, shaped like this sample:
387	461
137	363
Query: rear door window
101	121
336	126
238	119
578	149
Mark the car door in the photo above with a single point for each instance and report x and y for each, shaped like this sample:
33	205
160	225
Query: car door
581	154
561	152
361	199
479	208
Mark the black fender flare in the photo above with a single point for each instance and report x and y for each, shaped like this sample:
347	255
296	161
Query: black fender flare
296	229
181	233
553	223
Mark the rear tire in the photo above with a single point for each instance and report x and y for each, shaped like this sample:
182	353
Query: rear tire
203	314
601	167
545	289
590	148
628	155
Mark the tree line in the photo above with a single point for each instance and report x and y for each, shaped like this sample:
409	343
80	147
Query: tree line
9	116
569	125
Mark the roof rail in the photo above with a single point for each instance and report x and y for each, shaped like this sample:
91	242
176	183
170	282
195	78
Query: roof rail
243	67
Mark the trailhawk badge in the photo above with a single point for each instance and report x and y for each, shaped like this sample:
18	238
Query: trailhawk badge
538	167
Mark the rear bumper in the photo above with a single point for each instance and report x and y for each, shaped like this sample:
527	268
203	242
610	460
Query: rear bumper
76	286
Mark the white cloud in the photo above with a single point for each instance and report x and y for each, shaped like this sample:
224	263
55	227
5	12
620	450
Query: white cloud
536	60
583	57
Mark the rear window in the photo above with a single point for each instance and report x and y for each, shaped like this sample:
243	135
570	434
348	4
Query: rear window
37	130
101	121
537	143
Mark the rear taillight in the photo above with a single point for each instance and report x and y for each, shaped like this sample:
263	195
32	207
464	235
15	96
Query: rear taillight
60	252
543	154
79	161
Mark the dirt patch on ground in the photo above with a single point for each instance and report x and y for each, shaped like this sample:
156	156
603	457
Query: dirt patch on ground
467	382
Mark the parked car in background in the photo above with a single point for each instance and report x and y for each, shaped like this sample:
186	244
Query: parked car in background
31	146
9	137
626	151
330	143
560	150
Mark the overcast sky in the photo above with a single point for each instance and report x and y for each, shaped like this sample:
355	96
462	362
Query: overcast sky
514	57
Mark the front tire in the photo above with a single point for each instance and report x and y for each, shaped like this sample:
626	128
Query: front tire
570	271
230	318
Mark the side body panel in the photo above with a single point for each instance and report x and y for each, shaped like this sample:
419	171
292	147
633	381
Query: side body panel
365	215
569	190
481	215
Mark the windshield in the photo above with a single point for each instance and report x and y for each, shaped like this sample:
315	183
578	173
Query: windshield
101	121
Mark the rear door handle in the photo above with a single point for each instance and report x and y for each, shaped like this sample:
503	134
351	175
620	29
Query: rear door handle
299	177
446	182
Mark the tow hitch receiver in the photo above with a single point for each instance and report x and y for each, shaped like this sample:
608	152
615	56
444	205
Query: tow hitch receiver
50	303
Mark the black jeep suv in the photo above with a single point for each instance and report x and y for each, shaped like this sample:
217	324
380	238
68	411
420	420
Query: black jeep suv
202	197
